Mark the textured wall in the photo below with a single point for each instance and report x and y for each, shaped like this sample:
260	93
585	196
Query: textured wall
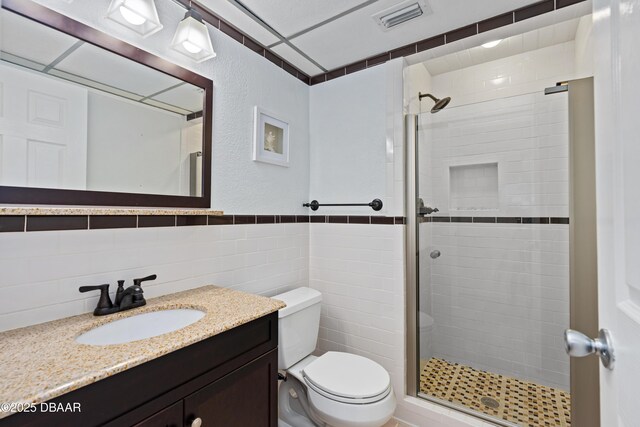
241	80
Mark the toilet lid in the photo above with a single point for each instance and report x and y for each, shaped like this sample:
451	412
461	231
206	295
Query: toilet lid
347	375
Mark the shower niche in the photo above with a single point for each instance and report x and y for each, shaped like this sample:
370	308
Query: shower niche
473	187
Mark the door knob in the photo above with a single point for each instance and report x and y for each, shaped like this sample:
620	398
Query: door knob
578	344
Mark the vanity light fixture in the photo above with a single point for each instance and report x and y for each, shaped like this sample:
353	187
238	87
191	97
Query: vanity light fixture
192	38
140	16
489	45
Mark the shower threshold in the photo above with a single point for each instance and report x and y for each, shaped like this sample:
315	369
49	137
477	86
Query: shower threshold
494	397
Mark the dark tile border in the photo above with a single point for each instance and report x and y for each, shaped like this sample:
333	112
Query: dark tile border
145	221
492	23
57	222
12	223
97	222
187	220
496	220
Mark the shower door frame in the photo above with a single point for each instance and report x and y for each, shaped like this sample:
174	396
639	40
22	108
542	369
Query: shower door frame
583	314
412	275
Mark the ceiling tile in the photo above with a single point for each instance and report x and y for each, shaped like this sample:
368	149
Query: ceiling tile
291	16
337	44
105	67
30	40
186	96
233	15
296	59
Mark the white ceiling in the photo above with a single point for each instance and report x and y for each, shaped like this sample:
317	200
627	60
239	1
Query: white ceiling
537	39
53	52
353	36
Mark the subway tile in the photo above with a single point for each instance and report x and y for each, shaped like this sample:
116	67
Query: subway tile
495	22
57	222
356	66
440	219
266	219
220	220
112	221
378	59
156	221
534	10
273	58
320	78
461	219
430	43
185	220
318	218
509	220
403	51
564	3
244	219
302	218
254	46
231	32
287	218
342	219
461	33
290	68
386	220
339	72
304	78
358	219
484	219
11	223
559	220
535	220
400	220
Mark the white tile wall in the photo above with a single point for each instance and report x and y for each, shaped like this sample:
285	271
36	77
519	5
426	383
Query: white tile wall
500	298
526	135
41	271
360	271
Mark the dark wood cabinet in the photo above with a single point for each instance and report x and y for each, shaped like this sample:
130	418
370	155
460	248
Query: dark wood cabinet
228	380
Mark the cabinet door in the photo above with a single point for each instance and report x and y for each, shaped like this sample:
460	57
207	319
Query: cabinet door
247	397
168	417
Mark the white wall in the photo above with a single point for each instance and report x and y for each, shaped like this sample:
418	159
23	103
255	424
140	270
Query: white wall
241	80
41	271
148	161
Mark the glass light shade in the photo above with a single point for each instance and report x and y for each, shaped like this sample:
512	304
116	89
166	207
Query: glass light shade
140	16
192	38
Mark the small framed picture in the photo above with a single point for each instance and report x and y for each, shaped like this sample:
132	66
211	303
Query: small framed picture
270	138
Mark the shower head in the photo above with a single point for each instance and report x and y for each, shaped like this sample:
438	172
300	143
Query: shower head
439	103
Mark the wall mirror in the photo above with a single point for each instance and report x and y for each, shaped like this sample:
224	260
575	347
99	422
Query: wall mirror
87	119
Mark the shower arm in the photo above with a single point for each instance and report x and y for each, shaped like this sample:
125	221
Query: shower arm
425	95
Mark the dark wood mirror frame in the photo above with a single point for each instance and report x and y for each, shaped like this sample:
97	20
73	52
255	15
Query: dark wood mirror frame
47	196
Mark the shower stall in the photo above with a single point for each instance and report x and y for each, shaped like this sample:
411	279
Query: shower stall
489	288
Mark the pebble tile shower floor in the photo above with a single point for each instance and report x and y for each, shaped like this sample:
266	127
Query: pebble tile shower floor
520	402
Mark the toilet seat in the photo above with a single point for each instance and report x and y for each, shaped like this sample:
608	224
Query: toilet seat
347	378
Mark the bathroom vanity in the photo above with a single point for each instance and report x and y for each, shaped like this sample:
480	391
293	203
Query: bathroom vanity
219	371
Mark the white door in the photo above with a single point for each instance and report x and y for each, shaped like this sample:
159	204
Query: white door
43	131
617	112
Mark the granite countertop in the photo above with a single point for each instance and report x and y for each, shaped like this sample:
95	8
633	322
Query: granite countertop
41	362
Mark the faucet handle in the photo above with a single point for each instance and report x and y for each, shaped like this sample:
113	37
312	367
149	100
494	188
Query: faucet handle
138	282
104	303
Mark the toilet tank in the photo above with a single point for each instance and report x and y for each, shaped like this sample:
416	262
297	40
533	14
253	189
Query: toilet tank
298	325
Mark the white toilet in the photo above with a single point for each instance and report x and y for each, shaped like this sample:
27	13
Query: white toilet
336	389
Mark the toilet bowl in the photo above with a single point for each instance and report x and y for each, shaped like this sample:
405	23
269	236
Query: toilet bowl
336	389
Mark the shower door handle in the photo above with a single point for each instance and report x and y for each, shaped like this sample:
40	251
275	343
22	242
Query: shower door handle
577	344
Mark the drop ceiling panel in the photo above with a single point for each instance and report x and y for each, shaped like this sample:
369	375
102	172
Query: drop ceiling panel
336	44
231	14
105	67
291	16
296	59
537	39
27	39
186	96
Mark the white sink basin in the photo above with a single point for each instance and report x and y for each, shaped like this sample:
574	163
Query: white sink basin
140	326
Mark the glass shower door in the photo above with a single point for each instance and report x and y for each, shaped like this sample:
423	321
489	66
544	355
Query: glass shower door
492	238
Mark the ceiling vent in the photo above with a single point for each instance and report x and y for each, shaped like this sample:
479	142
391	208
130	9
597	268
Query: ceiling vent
401	13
